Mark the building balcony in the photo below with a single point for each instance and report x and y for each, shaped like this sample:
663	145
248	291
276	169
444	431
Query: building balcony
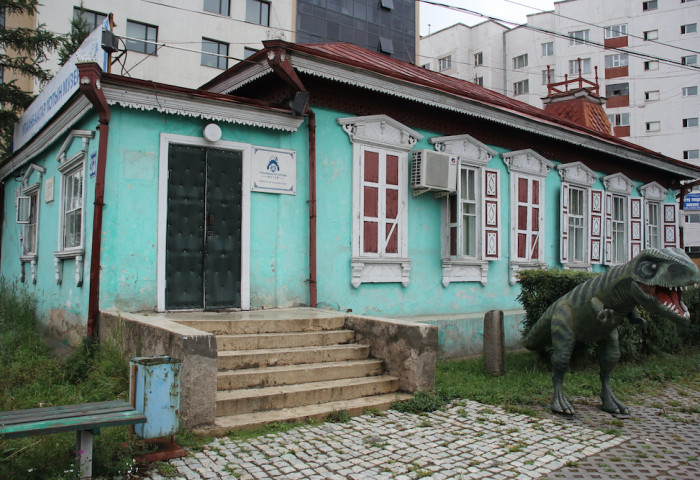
616	72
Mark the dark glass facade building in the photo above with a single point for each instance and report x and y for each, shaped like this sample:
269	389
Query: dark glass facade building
386	26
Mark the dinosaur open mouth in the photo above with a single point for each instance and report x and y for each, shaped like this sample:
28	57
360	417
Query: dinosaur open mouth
671	298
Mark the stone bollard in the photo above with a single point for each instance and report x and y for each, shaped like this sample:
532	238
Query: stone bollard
494	343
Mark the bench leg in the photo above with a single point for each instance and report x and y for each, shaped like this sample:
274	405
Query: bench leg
83	453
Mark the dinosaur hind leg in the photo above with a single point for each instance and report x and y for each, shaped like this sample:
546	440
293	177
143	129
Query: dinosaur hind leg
563	341
608	353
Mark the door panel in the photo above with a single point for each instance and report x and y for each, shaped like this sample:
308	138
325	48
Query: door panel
222	265
184	240
203	237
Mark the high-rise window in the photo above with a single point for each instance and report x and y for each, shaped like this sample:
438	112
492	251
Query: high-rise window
651	65
617	89
478	59
614	31
214	53
689	60
689	28
651	35
141	37
691	154
619	119
520	61
444	63
585	66
522	87
690	91
479	81
222	7
93	18
547	78
690	122
652	96
650	5
548	49
257	11
653	126
617	60
579	37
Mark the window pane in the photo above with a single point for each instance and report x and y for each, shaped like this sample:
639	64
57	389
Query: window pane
217	6
135	30
214	54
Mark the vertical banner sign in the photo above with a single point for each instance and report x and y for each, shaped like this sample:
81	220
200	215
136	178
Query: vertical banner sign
274	171
57	92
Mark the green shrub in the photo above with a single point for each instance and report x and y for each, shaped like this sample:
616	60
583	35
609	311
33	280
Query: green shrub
541	288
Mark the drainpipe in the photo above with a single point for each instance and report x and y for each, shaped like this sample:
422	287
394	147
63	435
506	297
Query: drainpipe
278	60
313	292
91	87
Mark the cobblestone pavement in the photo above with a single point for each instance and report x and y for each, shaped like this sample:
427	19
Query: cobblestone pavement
467	441
663	439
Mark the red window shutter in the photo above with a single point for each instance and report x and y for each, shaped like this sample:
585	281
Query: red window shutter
564	223
370	237
370	202
371	166
491	241
670	225
608	228
523	185
596	227
635	226
392	203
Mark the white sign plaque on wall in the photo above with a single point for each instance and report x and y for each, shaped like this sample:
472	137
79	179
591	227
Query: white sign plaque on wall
274	171
48	190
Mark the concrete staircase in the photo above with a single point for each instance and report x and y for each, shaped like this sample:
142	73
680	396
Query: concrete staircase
295	367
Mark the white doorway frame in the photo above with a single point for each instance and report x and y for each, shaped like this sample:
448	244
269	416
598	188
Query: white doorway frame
167	139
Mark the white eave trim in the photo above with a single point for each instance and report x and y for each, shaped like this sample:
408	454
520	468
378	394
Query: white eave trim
45	138
426	95
237	81
217	111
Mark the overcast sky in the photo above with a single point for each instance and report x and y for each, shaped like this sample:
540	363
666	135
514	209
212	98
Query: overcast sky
434	18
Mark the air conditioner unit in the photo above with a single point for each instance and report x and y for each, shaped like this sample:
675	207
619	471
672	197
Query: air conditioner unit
433	170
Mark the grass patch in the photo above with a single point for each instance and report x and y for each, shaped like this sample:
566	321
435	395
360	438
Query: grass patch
32	378
527	381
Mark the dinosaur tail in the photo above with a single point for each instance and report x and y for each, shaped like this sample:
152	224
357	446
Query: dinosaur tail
540	335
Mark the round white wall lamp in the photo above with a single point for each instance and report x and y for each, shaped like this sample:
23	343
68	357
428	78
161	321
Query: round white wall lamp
212	132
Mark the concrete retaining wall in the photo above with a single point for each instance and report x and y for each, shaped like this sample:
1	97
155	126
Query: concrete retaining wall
408	349
149	335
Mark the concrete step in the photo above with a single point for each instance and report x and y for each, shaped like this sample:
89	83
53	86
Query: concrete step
237	326
287	396
238	359
283	340
291	374
354	407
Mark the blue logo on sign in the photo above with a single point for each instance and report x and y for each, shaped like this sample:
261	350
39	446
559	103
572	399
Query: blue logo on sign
273	165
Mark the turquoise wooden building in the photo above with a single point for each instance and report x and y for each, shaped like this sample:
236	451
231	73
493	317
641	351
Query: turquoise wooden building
322	175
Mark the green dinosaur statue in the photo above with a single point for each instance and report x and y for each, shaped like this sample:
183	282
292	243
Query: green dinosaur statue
591	312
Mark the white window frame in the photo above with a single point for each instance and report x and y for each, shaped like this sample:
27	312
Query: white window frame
689	28
615	31
531	166
651	35
617	60
519	62
692	154
576	176
579	37
521	88
690	91
547	49
585	66
691	122
444	63
654	126
545	79
654	195
619	119
75	167
652	96
382	134
651	65
478	59
688	60
618	188
650	5
28	202
473	156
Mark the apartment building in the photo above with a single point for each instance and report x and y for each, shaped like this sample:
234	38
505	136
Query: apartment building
187	43
644	53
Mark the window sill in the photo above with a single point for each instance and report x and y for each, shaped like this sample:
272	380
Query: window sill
380	270
76	254
467	270
578	266
517	266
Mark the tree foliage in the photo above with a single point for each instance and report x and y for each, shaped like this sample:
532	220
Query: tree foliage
22	52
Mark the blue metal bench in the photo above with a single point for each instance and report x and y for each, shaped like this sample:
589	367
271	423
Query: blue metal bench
86	419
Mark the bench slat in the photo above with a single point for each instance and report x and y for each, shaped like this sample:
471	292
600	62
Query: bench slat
37	414
72	424
63	408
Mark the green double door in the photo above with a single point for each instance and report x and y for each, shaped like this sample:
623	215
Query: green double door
203	237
